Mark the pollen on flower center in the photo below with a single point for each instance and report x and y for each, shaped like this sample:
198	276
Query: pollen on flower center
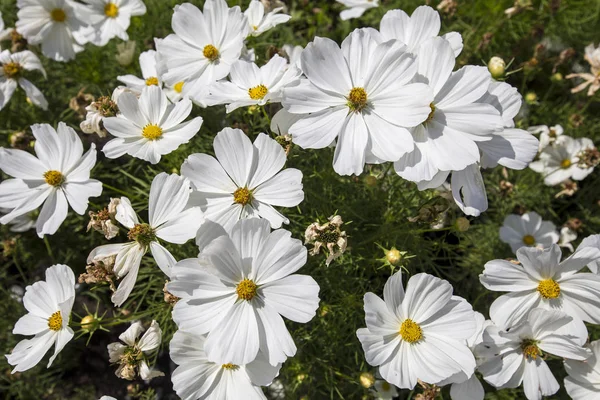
211	52
566	163
12	70
242	196
410	331
529	240
152	132
530	349
549	289
152	81
55	321
54	178
246	289
231	367
258	92
142	233
431	113
111	10
357	99
58	15
178	87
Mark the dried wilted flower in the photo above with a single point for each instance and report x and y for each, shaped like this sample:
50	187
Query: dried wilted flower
270	5
96	111
104	220
576	120
8	246
564	56
19	43
80	102
568	189
430	392
125	52
21	140
169	298
485	41
329	235
592	78
589	158
100	270
519	6
285	141
574	224
506	187
448	7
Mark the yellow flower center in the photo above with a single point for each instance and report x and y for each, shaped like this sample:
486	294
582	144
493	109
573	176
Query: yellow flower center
211	52
254	27
431	113
357	99
178	87
142	233
55	321
111	10
231	367
549	289
258	92
246	289
152	81
566	163
386	386
242	196
54	178
530	349
58	15
529	240
12	70
410	331
152	132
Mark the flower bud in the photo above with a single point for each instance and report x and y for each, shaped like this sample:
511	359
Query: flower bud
367	379
393	256
497	66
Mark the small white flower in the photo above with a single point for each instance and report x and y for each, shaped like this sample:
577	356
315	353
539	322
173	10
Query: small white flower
22	223
294	54
168	220
425	321
594	242
239	289
583	382
58	177
149	127
561	162
16	293
11	75
384	390
111	18
251	85
356	8
548	135
125	52
259	22
200	57
149	74
413	31
57	25
245	180
528	230
542	280
567	235
49	304
516	357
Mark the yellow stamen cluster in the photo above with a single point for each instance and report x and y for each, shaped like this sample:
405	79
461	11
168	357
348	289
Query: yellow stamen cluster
231	367
566	163
242	196
111	10
152	81
528	240
12	70
258	92
410	331
54	178
211	52
431	114
55	321
357	99
142	233
530	349
152	132
246	289
178	87
58	15
549	289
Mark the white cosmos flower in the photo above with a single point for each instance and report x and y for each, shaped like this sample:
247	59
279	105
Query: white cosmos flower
168	220
283	120
245	180
55	24
567	235
251	85
528	230
583	382
58	177
548	135
356	8
149	127
111	18
422	324
21	223
413	31
594	242
149	74
259	22
360	94
384	390
561	162
131	356
49	304
12	69
238	290
542	280
516	357
198	378
204	46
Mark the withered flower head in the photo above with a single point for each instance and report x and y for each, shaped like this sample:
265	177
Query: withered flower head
328	235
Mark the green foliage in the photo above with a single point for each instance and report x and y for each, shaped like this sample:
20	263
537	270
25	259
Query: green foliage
376	206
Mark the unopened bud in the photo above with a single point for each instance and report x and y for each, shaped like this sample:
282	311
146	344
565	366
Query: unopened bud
393	256
367	379
497	66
